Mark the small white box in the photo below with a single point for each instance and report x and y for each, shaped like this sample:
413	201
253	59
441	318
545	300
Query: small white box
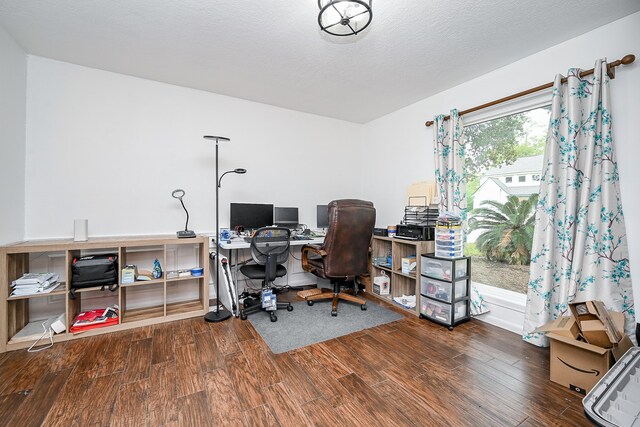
58	325
381	285
408	265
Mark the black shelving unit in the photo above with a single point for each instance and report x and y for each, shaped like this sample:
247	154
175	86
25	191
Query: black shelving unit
445	289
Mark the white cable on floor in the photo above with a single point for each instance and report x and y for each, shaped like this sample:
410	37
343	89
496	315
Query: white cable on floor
50	331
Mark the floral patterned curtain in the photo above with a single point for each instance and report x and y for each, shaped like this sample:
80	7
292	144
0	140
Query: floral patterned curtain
451	177
580	246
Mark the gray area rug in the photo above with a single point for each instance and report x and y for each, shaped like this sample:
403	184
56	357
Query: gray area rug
309	325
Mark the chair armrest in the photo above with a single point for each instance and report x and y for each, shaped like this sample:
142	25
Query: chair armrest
316	249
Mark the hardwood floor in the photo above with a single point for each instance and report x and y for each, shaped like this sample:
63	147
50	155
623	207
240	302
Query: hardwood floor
191	373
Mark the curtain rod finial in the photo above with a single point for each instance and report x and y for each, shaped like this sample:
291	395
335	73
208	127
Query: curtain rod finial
627	59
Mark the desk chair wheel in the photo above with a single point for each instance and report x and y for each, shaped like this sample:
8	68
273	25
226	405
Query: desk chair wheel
363	307
309	302
334	313
289	307
273	317
243	316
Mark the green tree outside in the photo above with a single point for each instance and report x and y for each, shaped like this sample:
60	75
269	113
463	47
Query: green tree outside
507	229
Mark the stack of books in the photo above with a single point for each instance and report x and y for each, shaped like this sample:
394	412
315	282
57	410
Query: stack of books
95	319
34	283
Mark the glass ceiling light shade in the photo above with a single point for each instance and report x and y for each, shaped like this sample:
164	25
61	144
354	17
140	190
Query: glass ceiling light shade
344	17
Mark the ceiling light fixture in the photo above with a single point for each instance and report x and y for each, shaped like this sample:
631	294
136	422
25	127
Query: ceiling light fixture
344	17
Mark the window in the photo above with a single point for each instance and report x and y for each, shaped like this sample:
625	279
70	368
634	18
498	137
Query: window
510	147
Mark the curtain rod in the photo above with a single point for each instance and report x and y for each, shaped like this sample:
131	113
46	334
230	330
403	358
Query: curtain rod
626	60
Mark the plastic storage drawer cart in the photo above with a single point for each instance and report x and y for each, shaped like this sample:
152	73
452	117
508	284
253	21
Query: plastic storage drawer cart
449	240
444	289
615	399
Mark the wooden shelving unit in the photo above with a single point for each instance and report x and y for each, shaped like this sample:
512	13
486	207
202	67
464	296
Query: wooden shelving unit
401	283
135	310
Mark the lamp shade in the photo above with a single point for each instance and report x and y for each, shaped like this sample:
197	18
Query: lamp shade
216	138
344	17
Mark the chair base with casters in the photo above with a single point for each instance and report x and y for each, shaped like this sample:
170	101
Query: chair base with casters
337	295
255	306
253	271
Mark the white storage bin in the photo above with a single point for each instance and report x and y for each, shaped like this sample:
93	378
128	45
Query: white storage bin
442	290
449	232
435	310
451	245
441	269
449	238
449	254
442	312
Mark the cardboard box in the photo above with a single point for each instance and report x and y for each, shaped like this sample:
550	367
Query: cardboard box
576	363
597	325
580	365
408	265
565	326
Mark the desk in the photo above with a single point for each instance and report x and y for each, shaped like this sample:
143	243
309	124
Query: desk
238	243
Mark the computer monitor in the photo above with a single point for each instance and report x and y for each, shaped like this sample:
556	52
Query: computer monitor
251	215
322	212
286	217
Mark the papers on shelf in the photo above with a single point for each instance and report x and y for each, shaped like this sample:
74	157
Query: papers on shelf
95	319
33	290
34	283
34	279
408	301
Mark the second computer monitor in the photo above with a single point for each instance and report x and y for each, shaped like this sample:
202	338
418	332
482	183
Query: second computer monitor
285	217
251	215
323	216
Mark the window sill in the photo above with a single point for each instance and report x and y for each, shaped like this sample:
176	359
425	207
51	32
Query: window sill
506	307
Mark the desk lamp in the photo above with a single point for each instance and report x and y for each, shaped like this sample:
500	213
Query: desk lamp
179	194
220	313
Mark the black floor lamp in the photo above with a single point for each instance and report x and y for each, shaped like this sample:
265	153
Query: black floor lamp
220	312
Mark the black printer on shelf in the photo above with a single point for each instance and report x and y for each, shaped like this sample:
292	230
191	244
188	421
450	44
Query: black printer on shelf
419	221
415	232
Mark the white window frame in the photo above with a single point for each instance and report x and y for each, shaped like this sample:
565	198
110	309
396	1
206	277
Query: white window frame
506	308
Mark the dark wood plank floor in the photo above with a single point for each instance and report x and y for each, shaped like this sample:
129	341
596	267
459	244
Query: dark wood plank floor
191	373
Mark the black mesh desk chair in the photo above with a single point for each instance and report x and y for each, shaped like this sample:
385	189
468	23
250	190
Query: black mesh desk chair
269	249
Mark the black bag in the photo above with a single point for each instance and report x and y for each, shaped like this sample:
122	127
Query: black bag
94	270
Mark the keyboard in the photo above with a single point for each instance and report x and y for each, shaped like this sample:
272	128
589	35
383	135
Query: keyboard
301	238
248	239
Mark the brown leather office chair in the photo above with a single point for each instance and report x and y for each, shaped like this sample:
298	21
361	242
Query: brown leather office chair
344	255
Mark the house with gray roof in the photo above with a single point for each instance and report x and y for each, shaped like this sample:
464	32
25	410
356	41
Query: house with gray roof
521	179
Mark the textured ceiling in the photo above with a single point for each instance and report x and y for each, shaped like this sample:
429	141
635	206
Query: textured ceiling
273	52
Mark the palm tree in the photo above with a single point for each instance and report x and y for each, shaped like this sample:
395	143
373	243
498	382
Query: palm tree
507	229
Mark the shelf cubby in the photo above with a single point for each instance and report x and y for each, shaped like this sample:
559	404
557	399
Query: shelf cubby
141	303
401	283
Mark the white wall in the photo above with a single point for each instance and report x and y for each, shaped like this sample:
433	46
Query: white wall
399	147
13	86
111	148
